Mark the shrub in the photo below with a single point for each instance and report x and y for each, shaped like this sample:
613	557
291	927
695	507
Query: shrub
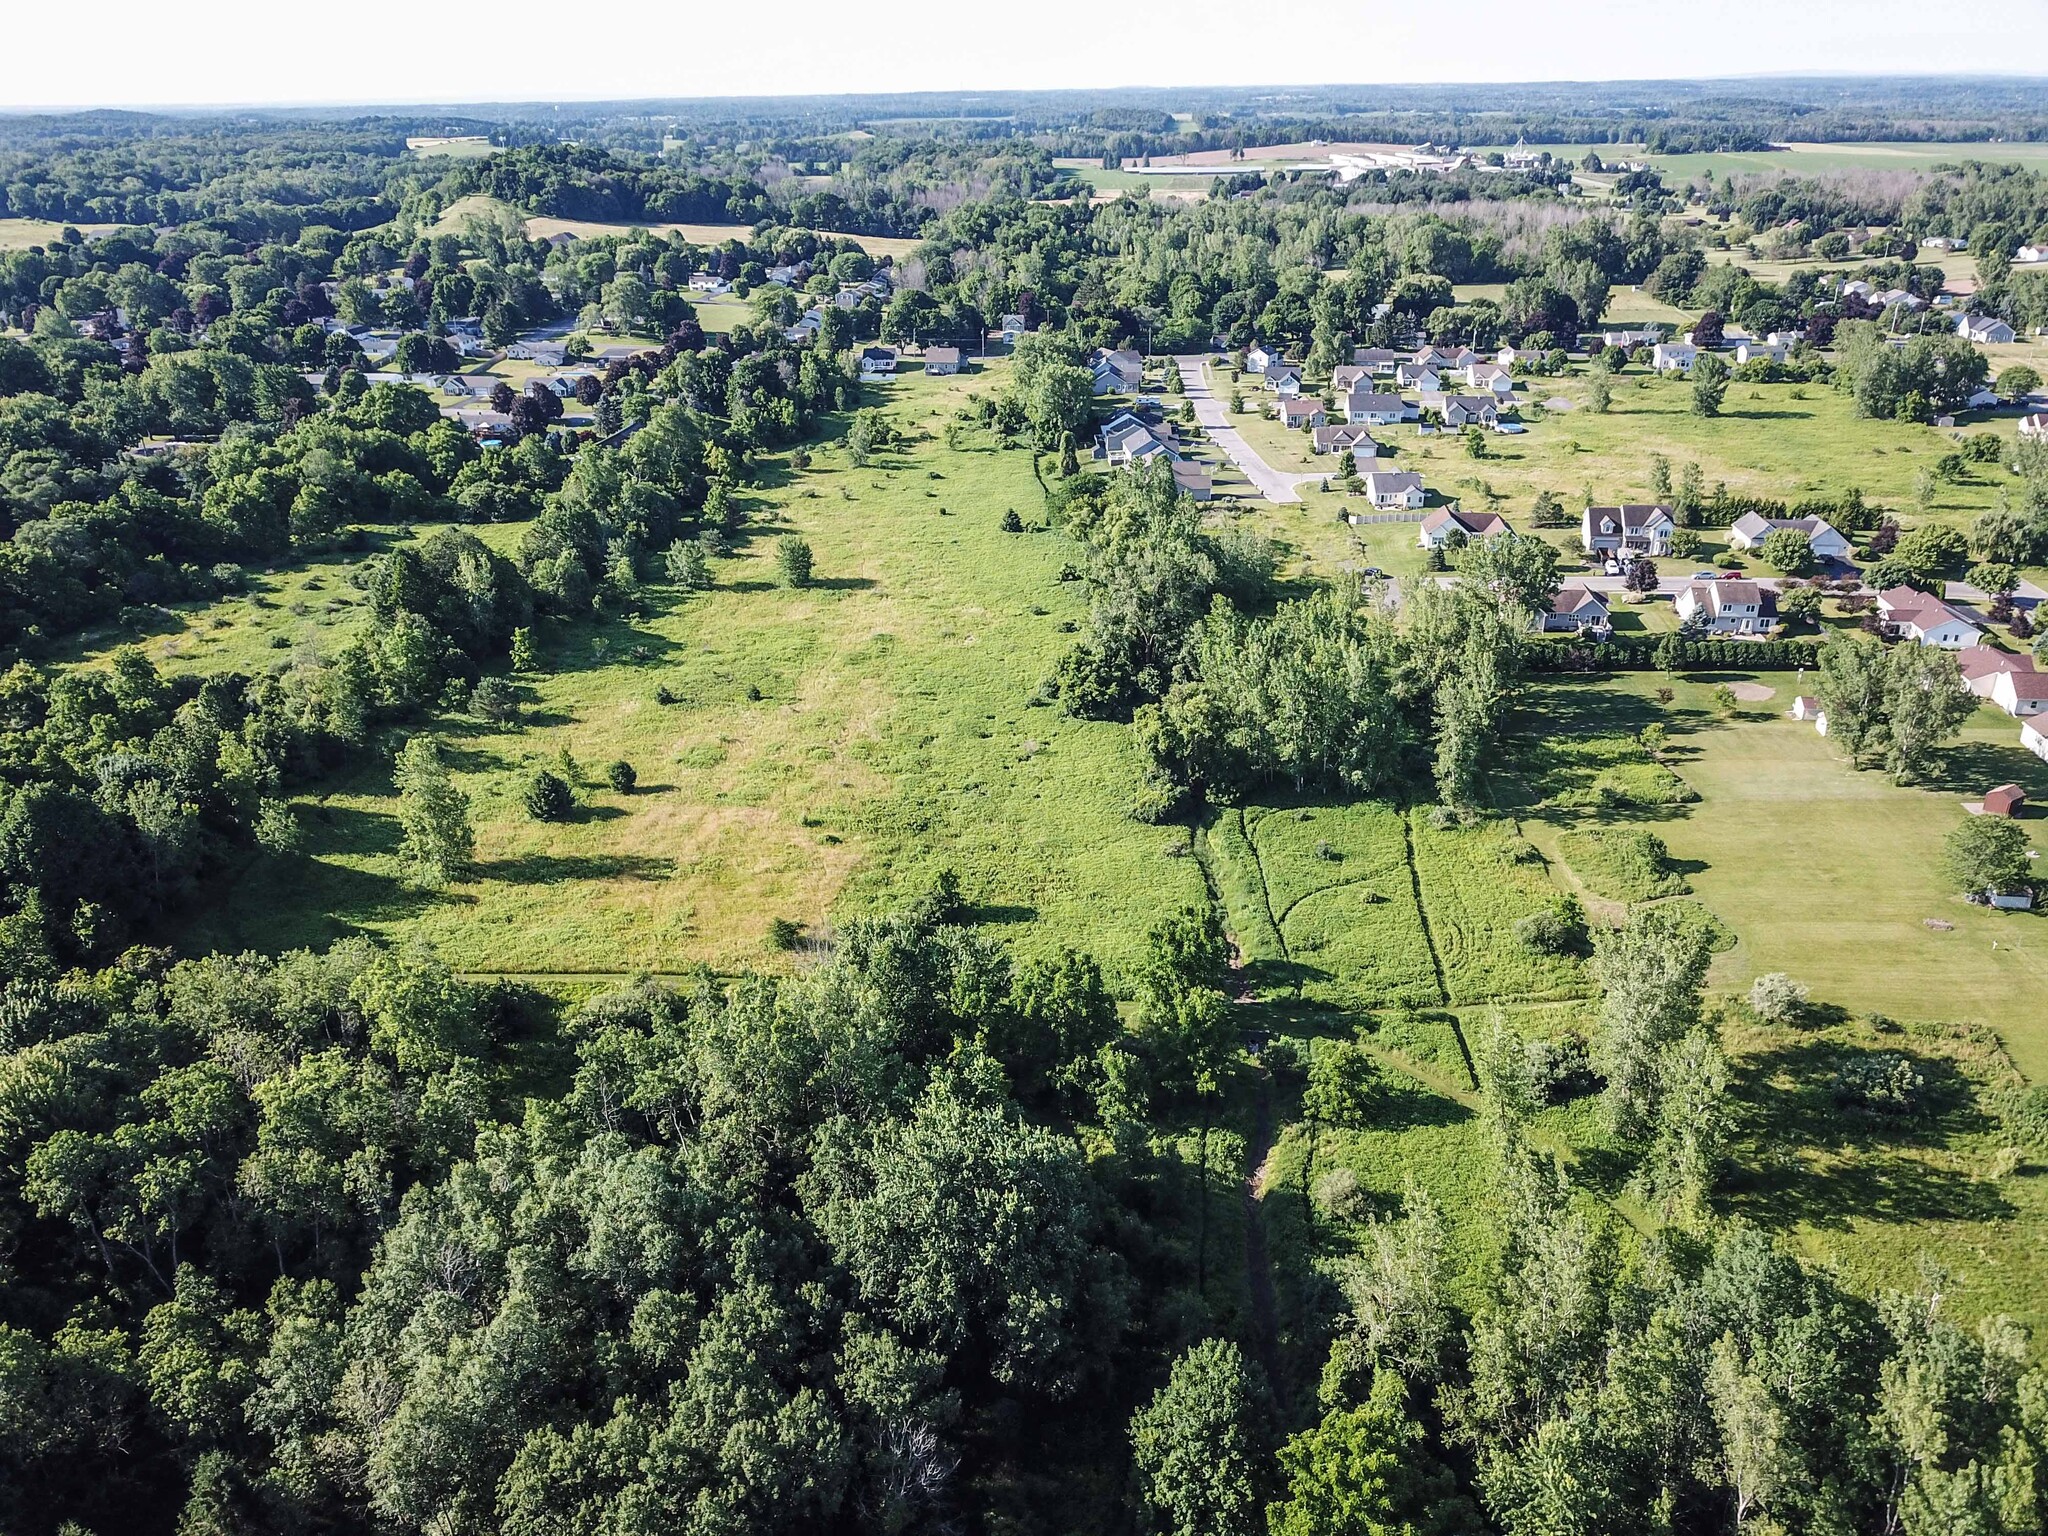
1344	1084
1777	998
793	561
1012	523
621	777
784	934
1880	1083
1339	1195
547	797
1557	929
1561	1069
495	700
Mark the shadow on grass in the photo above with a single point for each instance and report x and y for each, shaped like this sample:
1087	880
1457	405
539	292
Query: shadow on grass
547	869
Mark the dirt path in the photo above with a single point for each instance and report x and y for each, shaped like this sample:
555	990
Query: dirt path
1258	1263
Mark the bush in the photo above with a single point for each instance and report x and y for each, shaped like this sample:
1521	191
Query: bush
784	934
1777	998
547	797
1557	929
1561	1069
1012	523
621	777
1880	1083
793	561
495	700
1344	1085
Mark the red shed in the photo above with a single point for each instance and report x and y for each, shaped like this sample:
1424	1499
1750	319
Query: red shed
2006	800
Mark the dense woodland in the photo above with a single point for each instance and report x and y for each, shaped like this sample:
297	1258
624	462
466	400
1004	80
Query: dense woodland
915	1240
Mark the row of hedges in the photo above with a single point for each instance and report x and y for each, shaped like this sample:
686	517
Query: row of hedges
1573	655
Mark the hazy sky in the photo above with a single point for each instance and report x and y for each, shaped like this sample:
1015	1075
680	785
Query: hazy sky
151	52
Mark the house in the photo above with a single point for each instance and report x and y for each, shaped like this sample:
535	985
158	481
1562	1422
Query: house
1462	410
1296	412
1919	616
1447	525
1284	379
877	362
2030	255
1749	532
1575	608
1126	439
1257	359
2005	800
1193	480
1489	378
1364	408
1982	665
941	360
1124	368
1446	359
549	354
1751	351
1985	329
1394	490
1508	357
1674	356
1013	326
1344	380
708	283
2034	737
1726	607
1343	437
1627	530
1379	361
2034	425
1418	376
2019	692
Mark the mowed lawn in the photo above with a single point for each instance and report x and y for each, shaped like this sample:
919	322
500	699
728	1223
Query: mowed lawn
1832	875
892	736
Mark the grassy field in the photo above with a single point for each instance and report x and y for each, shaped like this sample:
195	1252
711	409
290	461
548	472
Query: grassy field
892	736
20	234
541	227
1807	159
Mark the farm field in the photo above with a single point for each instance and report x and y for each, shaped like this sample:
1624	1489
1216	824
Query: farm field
1806	159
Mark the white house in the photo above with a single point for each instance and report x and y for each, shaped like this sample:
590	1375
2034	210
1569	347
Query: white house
1575	608
2019	692
1125	439
1749	532
877	362
1674	356
1988	329
1627	530
1284	379
2030	255
1748	351
1345	379
1418	376
1725	607
1257	359
1193	480
1919	616
1013	326
1365	408
2035	425
1446	524
1394	490
2034	737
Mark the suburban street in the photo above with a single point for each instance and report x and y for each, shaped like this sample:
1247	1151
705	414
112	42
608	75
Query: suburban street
1272	484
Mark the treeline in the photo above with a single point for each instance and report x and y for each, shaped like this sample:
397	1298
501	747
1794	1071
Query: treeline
1569	654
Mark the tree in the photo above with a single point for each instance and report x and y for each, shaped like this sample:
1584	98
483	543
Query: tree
547	797
1759	1453
1986	853
1196	1448
686	565
2018	381
1641	576
1790	551
793	561
1995	577
1365	1471
1344	1085
437	840
525	654
1851	690
620	775
1925	705
1518	571
1709	384
1650	972
1932	551
1600	392
1709	331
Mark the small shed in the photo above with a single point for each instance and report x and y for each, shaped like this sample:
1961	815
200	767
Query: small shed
2006	800
1805	707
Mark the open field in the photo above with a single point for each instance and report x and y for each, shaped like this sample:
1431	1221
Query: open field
541	227
1806	159
20	234
892	737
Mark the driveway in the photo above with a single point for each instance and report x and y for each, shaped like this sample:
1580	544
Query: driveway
1272	484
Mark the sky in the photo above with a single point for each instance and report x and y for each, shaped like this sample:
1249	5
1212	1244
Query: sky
236	52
